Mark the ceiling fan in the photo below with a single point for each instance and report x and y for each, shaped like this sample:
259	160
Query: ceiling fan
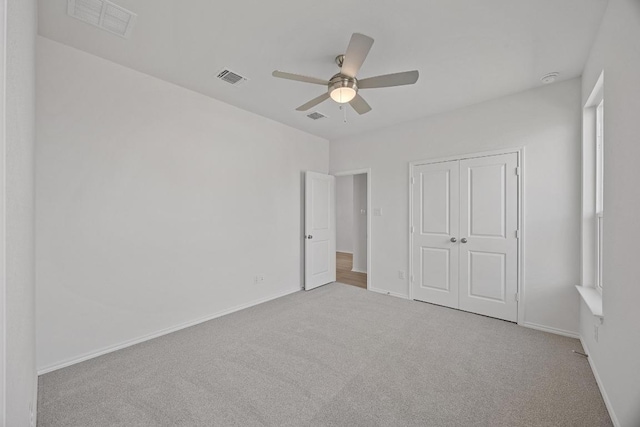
343	87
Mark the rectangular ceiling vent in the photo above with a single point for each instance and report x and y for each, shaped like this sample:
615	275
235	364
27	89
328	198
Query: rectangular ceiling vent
103	14
226	75
316	116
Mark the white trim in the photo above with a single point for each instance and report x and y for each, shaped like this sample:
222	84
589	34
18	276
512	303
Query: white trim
355	270
393	294
520	151
352	172
344	252
410	252
369	227
551	330
410	270
597	93
593	298
603	392
465	156
3	235
160	333
521	246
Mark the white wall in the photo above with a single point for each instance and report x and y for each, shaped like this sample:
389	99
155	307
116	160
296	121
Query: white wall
616	355
360	223
344	213
546	121
17	203
157	206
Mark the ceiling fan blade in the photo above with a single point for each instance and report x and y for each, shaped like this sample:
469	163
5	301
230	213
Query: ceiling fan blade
388	80
356	53
360	105
313	102
299	77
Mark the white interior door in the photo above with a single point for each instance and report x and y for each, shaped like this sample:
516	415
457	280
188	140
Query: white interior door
488	243
320	230
464	235
435	194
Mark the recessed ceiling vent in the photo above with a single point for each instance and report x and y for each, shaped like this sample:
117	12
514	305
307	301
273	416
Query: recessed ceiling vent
230	77
316	116
103	14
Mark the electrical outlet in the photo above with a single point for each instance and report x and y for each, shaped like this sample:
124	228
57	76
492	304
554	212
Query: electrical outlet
377	211
258	279
402	275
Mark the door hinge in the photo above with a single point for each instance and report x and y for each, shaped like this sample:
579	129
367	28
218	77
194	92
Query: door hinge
412	229
411	278
413	180
517	296
518	171
517	234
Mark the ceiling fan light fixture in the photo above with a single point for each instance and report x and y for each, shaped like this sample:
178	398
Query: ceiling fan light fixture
342	95
342	89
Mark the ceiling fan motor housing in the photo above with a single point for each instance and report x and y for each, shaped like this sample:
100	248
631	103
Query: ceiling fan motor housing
343	88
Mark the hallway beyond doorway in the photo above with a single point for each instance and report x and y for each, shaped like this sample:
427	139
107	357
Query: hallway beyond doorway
344	274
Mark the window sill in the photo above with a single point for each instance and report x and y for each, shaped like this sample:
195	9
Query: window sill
592	298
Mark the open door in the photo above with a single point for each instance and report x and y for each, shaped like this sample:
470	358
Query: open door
320	230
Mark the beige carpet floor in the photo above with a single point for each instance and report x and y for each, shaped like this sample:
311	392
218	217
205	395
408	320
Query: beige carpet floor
334	356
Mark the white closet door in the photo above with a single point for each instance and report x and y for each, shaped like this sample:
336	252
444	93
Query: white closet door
488	243
435	195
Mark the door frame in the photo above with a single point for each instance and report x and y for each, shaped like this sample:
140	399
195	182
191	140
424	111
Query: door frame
520	151
3	237
366	171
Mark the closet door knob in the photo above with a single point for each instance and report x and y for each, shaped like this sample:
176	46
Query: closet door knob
464	240
453	240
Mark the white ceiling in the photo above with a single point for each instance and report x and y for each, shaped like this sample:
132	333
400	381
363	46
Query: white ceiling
466	51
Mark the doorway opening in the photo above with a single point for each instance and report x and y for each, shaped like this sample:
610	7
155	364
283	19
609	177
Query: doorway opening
352	228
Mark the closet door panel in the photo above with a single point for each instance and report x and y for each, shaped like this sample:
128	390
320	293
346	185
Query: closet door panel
488	280
435	197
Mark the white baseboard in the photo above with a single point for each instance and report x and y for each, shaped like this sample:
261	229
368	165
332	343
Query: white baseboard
603	392
344	252
549	329
160	333
355	270
393	294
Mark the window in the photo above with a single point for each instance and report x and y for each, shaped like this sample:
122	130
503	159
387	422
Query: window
591	275
593	190
599	190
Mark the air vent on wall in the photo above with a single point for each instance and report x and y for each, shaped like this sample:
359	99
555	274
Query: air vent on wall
103	14
316	116
230	77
